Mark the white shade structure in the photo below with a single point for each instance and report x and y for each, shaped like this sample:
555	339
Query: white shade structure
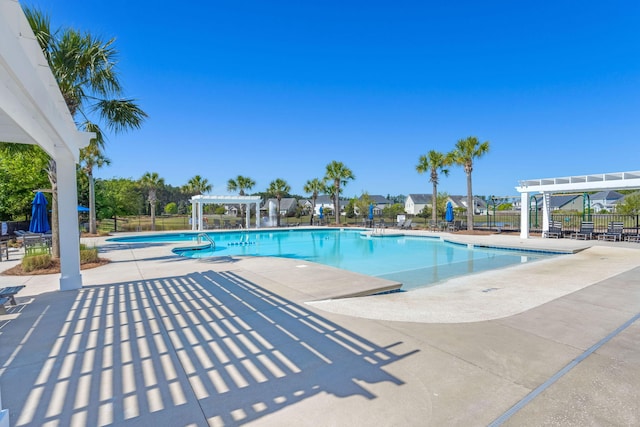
33	111
198	202
547	186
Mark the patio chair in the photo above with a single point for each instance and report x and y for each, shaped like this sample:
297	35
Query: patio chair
585	232
555	230
633	238
613	233
4	249
7	295
381	224
10	292
36	244
454	226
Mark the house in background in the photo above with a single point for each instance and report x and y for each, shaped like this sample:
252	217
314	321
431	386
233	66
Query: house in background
460	202
326	202
415	203
565	202
379	203
605	200
288	206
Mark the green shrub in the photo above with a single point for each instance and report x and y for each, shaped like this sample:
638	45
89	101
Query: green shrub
36	262
88	254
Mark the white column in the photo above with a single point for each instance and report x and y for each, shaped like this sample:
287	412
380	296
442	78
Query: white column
258	215
545	213
200	210
247	221
193	215
524	215
70	277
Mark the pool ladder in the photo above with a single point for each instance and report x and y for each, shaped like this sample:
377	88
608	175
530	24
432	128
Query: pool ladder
205	236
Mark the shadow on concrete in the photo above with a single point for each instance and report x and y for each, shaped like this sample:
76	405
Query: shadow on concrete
201	348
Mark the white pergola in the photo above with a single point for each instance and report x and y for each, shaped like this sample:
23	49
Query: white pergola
198	202
32	111
547	186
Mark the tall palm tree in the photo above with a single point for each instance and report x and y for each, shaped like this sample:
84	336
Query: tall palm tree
279	187
84	68
92	157
338	174
465	151
314	187
240	184
434	162
151	181
198	185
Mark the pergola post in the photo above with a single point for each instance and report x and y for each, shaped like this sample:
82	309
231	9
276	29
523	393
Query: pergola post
70	277
193	215
545	213
524	215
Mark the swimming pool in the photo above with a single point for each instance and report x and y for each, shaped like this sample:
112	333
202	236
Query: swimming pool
415	261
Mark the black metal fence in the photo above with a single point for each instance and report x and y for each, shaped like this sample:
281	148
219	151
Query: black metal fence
510	221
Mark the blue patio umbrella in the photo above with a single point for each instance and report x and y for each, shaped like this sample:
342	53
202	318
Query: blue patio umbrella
371	211
39	221
449	213
321	212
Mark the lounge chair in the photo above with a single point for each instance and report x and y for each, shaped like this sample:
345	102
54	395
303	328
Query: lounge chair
555	230
585	232
407	225
613	233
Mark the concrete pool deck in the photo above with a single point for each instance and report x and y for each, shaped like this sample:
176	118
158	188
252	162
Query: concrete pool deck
153	339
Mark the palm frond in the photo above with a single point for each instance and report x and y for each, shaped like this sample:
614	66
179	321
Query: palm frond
120	114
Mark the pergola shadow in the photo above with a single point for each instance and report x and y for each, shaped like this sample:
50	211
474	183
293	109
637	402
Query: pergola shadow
206	347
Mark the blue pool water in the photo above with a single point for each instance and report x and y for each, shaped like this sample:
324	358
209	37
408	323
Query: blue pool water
414	261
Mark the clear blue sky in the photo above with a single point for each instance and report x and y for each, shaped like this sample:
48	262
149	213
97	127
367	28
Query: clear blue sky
279	89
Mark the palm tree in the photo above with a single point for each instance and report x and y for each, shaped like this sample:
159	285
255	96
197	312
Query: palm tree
278	188
84	68
314	187
240	184
463	154
434	162
337	173
151	181
91	157
198	185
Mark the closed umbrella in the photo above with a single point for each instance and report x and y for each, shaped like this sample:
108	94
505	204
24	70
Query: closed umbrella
449	213
371	211
39	220
321	212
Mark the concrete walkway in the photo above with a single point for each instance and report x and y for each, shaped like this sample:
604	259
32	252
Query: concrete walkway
153	339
